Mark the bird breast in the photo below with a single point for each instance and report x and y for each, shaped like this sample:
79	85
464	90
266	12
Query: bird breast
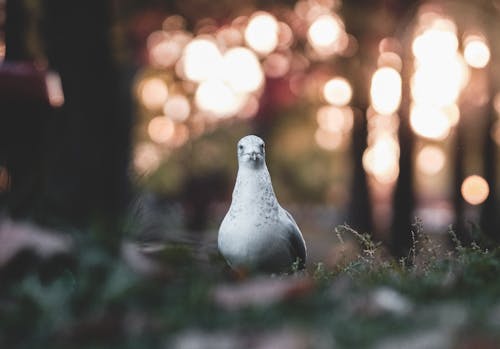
253	197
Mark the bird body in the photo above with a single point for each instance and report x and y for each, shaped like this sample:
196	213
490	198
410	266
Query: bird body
257	234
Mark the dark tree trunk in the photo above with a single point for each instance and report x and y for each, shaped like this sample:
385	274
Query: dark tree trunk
90	134
404	196
24	111
458	200
15	31
489	213
360	213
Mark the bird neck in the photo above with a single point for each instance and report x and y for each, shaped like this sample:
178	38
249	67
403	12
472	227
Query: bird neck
253	185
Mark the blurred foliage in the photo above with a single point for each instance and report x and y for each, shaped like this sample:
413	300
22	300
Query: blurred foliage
99	300
301	171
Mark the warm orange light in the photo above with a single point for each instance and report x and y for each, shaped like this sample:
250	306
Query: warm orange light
250	108
146	158
495	132
218	98
2	51
435	44
337	91
242	70
180	137
285	36
54	89
382	160
325	32
430	160
496	102
429	122
328	140
334	119
177	108
261	33
229	37
439	83
385	90
153	93
390	59
161	129
202	60
476	51
276	65
174	23
453	113
475	190
163	50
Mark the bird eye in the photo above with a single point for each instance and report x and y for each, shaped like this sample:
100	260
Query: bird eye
240	147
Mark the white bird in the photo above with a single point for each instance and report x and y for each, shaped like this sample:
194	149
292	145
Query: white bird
257	234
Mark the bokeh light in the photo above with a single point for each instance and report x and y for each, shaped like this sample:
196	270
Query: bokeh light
475	189
163	51
174	23
218	98
385	90
390	59
429	122
476	51
276	65
439	83
229	36
328	140
146	158
337	91
325	32
440	74
177	108
439	42
285	36
453	113
153	93
180	136
242	70
382	160
495	132
202	60
2	50
161	129
250	108
496	102
334	119
430	160
54	89
261	33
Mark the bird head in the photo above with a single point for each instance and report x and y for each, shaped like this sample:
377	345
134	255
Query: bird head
251	152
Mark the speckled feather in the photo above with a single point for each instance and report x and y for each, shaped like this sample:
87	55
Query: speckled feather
257	233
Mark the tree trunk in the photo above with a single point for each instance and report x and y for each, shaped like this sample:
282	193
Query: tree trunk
88	178
404	195
458	200
24	111
360	213
489	211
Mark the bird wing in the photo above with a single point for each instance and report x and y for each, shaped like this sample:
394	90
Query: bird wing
296	239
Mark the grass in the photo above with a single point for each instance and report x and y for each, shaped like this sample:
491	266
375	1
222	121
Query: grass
369	300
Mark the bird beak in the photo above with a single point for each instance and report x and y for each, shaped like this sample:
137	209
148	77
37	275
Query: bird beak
254	156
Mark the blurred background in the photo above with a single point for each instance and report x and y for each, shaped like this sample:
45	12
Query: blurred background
379	114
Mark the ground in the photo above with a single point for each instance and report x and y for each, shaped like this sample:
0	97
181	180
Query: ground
173	296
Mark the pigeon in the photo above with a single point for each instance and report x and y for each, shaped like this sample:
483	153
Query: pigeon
257	234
